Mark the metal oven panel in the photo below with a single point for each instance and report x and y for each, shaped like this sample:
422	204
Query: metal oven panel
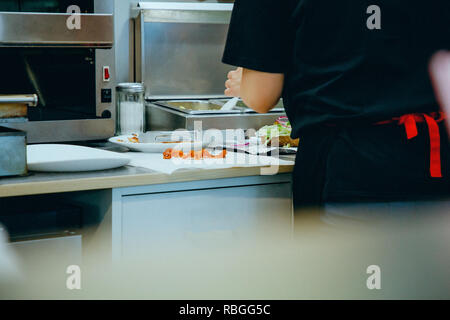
24	29
65	68
65	131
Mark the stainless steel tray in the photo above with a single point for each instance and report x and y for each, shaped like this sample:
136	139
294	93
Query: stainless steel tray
198	107
160	118
241	106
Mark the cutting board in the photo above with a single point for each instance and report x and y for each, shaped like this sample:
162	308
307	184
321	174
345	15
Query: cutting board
69	158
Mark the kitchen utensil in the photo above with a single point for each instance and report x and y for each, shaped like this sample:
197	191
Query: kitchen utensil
230	104
69	158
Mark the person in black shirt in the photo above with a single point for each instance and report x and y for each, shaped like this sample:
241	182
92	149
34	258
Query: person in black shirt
354	79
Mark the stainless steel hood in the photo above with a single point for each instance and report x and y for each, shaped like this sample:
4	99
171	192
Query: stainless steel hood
179	47
19	29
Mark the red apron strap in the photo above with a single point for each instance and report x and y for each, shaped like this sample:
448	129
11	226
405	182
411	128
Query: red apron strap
435	146
432	120
409	120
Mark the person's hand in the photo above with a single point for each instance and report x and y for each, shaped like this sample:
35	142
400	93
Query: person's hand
233	84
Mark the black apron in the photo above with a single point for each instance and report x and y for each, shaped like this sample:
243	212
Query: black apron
372	163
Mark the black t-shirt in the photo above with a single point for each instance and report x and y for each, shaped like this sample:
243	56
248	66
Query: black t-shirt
340	78
337	69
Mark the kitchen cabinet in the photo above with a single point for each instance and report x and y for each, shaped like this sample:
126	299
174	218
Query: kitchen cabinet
148	221
61	251
43	231
150	214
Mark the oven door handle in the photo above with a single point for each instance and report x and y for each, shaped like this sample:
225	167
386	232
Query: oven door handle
29	99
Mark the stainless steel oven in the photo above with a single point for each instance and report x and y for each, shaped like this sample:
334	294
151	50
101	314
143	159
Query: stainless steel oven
62	51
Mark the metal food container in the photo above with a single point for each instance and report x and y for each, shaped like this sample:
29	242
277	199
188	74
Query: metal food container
160	118
13	152
196	106
130	108
213	106
244	108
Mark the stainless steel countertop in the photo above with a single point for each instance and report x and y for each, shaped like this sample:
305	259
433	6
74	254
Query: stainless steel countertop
45	183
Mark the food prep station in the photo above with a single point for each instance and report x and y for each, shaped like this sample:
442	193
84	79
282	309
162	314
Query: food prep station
110	167
179	93
107	213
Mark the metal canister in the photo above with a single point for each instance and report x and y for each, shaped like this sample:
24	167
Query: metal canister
13	152
130	101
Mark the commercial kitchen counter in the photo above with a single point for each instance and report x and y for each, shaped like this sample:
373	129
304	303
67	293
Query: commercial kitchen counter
46	183
128	211
133	210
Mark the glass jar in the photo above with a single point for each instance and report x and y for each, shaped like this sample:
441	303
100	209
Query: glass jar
130	112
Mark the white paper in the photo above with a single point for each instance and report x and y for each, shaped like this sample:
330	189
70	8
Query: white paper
155	161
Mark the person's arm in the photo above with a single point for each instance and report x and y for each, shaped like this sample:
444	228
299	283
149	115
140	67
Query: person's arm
258	42
261	91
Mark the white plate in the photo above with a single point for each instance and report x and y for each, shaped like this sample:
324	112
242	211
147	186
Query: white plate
68	158
148	144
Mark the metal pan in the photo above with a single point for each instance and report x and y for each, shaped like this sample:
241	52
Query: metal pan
196	107
241	106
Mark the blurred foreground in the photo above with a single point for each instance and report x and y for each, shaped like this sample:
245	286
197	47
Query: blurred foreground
318	262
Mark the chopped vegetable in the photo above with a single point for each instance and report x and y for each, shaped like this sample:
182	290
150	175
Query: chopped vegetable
196	155
134	139
278	134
